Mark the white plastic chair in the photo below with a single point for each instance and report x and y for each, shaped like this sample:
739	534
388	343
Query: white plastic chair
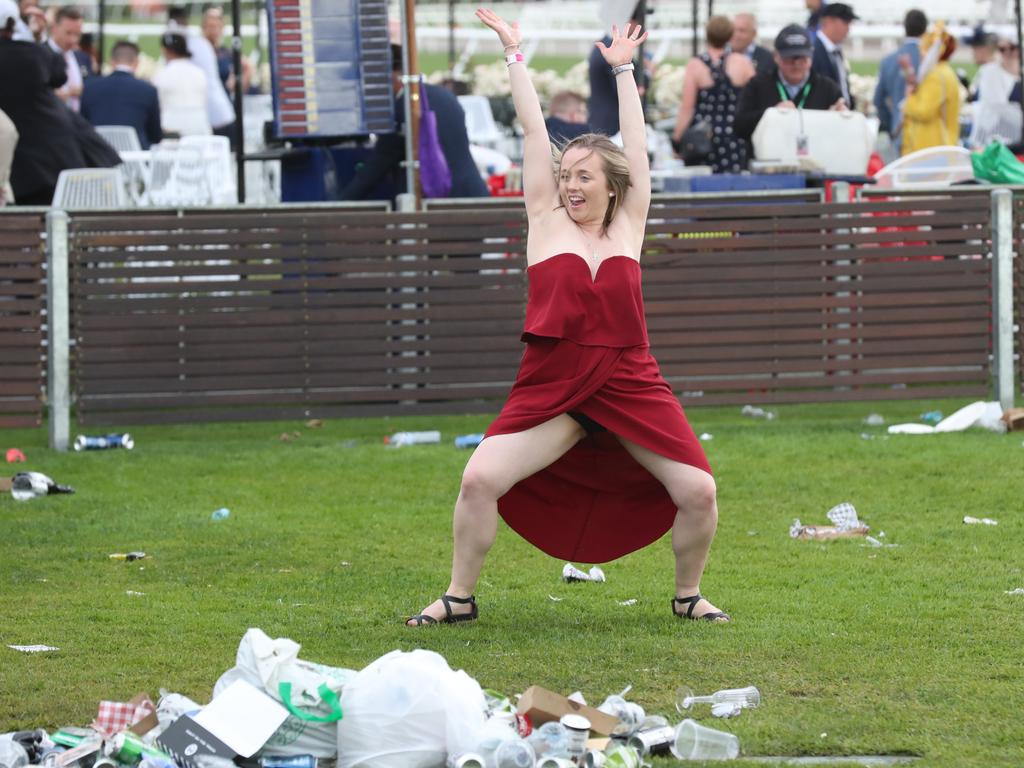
123	138
178	176
934	166
480	123
90	188
216	154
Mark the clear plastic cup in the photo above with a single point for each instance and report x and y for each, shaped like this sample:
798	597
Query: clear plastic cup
694	741
515	753
550	739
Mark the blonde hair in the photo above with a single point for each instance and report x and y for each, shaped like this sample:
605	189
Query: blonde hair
613	163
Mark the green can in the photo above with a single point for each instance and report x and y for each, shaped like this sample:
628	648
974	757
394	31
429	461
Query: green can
128	748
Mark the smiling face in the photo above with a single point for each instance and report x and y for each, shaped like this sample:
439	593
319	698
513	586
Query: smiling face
582	185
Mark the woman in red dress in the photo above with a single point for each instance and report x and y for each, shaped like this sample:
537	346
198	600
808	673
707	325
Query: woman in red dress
591	457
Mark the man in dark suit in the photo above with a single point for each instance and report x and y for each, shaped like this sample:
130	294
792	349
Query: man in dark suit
744	40
386	161
47	143
791	83
603	105
828	58
122	99
567	117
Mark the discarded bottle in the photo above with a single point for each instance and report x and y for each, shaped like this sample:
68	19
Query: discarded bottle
399	439
468	441
127	556
31	485
653	741
129	748
220	514
102	442
748	697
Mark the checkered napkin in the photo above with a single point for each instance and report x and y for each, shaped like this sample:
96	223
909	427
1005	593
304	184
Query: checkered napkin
844	517
116	716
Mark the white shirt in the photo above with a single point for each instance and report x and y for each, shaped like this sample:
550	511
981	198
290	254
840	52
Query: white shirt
218	105
74	75
181	86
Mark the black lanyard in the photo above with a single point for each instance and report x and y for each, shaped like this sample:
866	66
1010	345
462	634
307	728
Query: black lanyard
802	94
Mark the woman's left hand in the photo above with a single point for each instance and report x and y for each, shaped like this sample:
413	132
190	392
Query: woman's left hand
623	44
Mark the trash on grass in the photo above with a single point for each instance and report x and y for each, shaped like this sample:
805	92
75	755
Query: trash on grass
127	556
631	601
554	599
220	514
314	423
133	593
758	413
571	574
931	417
1017	591
32	485
987	415
34	648
845	524
103	442
15	456
746	698
469	441
968	520
874	420
705	436
428	437
1013	418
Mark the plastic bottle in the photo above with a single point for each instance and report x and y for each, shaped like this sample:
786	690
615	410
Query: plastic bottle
32	485
469	441
399	439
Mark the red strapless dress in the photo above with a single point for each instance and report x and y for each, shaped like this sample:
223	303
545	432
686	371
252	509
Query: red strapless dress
587	353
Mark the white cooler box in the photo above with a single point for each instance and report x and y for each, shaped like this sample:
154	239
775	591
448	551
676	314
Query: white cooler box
839	142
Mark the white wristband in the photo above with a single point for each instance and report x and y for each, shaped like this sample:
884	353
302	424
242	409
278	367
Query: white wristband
627	67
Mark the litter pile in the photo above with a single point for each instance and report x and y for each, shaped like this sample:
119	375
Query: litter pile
845	524
404	710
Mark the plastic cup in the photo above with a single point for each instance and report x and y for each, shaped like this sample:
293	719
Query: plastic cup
694	741
515	753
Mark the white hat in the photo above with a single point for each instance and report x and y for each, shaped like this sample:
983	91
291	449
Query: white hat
9	10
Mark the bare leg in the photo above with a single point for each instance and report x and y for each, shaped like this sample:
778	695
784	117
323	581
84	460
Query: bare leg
693	492
498	463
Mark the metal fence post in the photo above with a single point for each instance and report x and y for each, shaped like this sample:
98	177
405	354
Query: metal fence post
1002	297
58	378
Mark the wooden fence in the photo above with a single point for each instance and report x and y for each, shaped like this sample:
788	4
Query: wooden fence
22	317
283	314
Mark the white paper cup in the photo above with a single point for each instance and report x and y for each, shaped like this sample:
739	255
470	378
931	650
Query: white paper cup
578	728
694	741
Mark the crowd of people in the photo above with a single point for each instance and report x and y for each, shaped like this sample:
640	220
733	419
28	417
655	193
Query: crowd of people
48	115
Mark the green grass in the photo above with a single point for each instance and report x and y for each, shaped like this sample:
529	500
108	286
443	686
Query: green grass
334	538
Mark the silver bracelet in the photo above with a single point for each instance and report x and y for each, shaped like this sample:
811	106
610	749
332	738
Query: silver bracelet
627	67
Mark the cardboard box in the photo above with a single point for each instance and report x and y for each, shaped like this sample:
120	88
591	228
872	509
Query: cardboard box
1014	419
542	706
150	721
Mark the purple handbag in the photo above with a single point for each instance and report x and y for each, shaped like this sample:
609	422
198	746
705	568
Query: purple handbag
435	175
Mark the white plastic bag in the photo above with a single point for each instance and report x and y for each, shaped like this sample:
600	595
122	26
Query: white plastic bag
310	692
409	710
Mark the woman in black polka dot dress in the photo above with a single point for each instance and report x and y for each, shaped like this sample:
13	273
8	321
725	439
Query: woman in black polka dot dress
711	89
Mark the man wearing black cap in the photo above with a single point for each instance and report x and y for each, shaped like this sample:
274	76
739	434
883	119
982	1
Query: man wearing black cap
828	59
789	84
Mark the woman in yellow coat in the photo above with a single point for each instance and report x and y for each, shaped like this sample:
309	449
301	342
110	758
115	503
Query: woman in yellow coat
931	111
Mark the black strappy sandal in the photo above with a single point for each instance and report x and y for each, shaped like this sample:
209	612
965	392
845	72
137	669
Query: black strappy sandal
449	618
688	613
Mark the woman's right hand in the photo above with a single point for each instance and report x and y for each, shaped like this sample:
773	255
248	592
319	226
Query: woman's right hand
509	34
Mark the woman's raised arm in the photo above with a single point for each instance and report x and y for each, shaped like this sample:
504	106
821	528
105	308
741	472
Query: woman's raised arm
619	56
539	186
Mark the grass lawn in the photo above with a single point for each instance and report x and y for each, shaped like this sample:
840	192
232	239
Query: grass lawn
333	539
